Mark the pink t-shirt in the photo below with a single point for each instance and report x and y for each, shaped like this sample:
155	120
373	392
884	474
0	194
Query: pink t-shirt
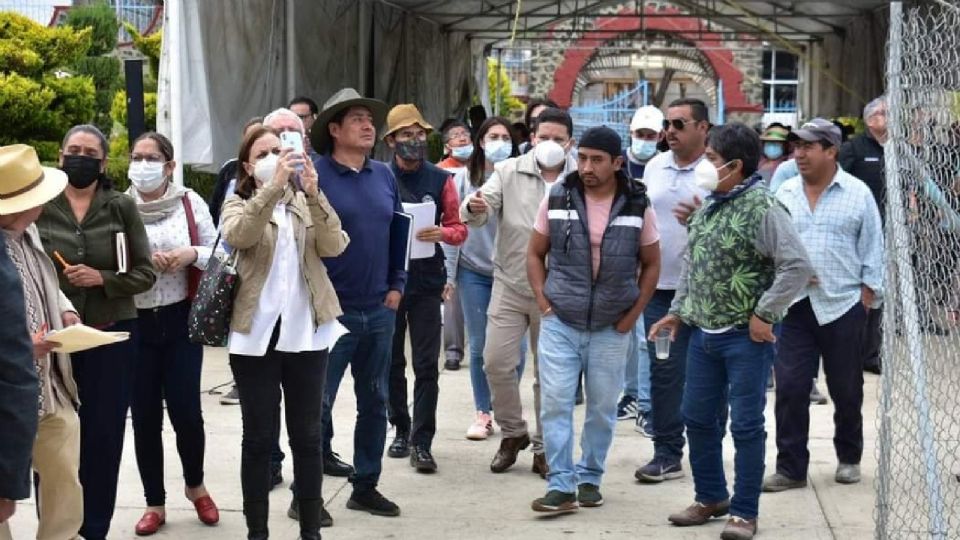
598	214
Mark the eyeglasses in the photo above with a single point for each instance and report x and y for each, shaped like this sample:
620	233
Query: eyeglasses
677	123
305	116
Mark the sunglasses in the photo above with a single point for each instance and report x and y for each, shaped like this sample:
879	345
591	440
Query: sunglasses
677	123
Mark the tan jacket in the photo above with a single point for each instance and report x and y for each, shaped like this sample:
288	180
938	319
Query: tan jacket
249	228
513	192
54	315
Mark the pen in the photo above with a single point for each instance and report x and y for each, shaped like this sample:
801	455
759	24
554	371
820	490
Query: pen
61	259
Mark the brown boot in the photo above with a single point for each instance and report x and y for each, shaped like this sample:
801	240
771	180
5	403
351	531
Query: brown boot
698	514
540	465
507	454
738	528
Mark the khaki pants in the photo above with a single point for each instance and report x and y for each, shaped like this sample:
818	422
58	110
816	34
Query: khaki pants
56	459
509	316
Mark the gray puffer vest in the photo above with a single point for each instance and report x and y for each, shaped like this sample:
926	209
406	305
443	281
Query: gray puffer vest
577	298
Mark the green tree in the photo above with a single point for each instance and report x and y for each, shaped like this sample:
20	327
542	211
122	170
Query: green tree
508	103
38	100
104	70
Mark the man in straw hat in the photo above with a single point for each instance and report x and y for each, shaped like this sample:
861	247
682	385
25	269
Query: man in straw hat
369	284
24	187
427	287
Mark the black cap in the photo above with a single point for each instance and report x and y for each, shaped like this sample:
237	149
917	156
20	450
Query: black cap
602	138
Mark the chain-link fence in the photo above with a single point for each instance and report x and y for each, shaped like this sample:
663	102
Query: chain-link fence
919	450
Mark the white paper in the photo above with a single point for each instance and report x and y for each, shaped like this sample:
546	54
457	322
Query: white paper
424	215
80	337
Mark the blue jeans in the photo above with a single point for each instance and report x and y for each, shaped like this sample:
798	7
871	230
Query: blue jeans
637	382
475	292
666	382
367	350
564	352
723	369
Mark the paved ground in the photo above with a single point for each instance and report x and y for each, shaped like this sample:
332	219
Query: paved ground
464	500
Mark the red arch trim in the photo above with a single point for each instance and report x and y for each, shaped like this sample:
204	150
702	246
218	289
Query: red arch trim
687	28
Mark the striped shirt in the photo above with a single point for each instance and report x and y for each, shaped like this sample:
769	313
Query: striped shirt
844	239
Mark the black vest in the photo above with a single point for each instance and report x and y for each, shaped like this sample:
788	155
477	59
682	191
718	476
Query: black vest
579	299
426	276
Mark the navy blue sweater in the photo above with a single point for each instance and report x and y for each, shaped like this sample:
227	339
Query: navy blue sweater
365	202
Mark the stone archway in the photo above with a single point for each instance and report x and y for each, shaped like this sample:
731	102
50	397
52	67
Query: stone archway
578	55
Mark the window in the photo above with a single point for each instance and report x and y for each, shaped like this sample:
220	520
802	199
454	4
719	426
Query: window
780	81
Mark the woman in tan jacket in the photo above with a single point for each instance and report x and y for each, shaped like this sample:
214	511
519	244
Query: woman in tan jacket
284	317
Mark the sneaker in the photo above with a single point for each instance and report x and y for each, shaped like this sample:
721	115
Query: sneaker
231	398
370	500
778	482
644	425
627	408
816	396
658	470
556	502
481	428
847	473
326	520
588	495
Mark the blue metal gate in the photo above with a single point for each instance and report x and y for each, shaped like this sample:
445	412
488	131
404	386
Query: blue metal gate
615	113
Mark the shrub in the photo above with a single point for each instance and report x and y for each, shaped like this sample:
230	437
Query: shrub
149	46
42	110
102	20
29	48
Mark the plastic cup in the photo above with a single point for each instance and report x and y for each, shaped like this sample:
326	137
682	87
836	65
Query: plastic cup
662	343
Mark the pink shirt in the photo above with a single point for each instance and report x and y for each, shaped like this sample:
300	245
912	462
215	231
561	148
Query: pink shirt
598	214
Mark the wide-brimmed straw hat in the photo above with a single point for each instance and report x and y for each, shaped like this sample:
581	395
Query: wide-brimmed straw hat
24	183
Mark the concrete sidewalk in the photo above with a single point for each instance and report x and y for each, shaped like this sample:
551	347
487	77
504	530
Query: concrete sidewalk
465	500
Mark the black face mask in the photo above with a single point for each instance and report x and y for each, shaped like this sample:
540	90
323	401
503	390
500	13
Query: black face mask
81	170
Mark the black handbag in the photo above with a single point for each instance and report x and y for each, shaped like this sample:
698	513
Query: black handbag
209	320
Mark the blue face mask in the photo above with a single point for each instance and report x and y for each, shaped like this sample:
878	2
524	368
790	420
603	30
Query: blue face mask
497	151
772	150
462	153
643	150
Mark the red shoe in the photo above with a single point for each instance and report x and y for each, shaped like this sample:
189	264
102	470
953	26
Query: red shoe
149	524
207	510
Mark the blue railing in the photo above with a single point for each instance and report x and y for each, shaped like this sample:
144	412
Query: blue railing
615	113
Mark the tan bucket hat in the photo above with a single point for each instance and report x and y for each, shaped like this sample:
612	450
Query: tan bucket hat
24	183
405	115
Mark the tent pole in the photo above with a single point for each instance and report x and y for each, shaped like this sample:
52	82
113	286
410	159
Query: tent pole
175	10
290	32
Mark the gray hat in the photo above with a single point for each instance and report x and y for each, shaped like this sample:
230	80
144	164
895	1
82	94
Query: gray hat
816	130
344	99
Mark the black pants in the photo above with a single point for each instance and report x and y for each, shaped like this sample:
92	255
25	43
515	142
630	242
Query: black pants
168	371
104	378
802	343
872	339
422	314
259	380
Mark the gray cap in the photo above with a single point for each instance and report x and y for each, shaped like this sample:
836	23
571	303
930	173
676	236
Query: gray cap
816	130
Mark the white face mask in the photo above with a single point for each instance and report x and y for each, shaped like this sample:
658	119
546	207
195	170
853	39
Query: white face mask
706	175
146	176
549	154
264	169
497	151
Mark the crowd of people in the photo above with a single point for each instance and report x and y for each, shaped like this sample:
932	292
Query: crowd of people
660	279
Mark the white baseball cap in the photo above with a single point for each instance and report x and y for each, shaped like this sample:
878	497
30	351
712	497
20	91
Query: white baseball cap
647	117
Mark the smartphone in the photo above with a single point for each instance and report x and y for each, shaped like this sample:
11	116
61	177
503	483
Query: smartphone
294	141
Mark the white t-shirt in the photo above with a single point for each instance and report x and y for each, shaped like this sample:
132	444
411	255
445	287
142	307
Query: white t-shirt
668	185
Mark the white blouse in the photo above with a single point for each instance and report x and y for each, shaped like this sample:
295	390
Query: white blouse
172	232
285	296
